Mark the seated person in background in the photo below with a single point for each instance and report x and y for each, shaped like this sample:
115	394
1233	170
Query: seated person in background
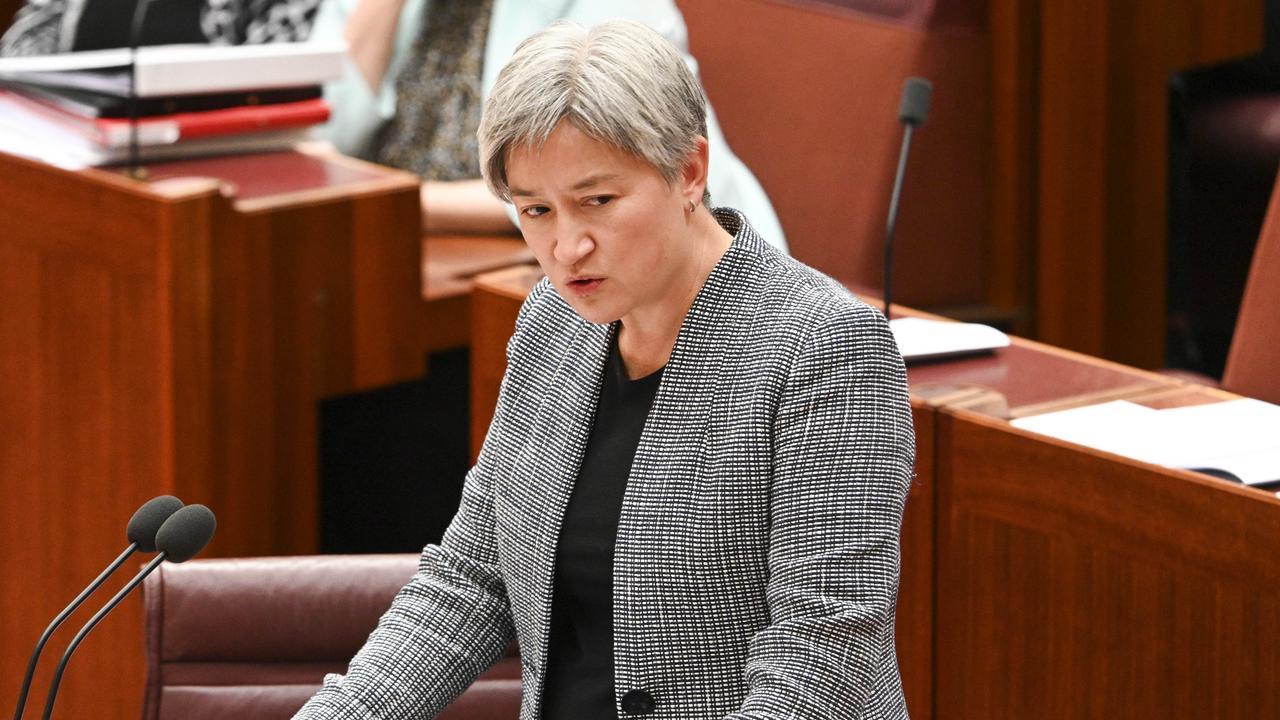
688	502
421	70
44	27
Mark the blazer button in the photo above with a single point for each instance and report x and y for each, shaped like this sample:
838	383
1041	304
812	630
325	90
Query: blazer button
637	702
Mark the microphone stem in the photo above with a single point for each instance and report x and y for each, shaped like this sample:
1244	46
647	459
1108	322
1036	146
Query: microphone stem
135	39
893	217
93	621
48	632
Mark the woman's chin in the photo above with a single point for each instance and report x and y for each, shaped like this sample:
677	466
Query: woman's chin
593	312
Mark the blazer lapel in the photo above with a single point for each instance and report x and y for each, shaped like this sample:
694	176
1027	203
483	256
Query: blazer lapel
549	465
664	473
681	410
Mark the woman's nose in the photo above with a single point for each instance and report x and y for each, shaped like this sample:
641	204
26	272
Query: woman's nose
573	243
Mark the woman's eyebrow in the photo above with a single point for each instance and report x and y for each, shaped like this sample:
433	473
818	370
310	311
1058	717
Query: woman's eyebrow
580	185
593	180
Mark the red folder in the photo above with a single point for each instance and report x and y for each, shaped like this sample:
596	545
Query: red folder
170	129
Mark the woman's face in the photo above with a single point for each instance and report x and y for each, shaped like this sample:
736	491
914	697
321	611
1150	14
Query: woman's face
608	230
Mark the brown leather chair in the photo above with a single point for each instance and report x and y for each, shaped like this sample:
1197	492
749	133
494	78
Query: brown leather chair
807	93
251	639
1252	366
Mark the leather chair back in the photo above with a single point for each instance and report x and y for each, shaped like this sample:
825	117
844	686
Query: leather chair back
807	93
1252	361
253	638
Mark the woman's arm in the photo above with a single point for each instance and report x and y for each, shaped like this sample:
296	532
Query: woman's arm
844	452
370	33
364	98
463	206
444	628
451	622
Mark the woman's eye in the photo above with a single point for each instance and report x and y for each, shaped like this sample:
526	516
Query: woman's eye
599	200
534	210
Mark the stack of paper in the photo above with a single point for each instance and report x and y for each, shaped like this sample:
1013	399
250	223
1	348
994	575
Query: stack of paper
920	339
1236	439
165	70
81	109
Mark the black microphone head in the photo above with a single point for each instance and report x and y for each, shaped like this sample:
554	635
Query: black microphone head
186	533
146	521
916	95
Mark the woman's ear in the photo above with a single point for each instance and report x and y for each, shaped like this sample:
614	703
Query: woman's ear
693	174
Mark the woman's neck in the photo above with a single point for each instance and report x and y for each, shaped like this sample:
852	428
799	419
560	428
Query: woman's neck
648	334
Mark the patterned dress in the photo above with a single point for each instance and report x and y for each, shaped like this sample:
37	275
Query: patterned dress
438	100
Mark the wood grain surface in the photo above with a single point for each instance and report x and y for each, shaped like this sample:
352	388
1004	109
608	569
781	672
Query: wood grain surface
171	341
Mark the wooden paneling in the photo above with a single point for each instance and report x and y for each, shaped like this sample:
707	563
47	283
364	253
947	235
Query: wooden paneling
164	340
1014	69
1074	584
1101	128
495	302
83	341
383	274
913	628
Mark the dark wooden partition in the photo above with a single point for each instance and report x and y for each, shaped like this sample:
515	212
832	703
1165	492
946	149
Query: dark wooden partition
1076	584
1080	103
175	337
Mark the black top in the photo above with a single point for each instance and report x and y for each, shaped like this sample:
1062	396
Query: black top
579	680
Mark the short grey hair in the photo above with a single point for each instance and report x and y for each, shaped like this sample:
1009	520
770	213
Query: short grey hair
620	83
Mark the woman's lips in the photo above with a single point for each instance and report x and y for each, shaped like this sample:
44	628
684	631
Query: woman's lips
585	286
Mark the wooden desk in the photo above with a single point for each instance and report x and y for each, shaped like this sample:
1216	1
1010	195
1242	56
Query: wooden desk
450	264
1072	583
175	337
966	650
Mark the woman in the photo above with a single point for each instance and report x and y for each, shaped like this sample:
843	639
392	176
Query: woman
689	499
419	70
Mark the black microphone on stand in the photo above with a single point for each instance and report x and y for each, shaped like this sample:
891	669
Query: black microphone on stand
912	112
141	533
136	171
184	534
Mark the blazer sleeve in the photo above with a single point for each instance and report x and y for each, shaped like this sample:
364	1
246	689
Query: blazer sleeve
449	624
843	460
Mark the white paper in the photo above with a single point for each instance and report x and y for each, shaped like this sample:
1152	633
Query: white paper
1239	437
186	69
921	339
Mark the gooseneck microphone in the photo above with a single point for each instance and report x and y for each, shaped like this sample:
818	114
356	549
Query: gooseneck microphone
179	538
913	110
135	38
141	533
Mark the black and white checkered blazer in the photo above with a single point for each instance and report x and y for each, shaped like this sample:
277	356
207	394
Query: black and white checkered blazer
756	564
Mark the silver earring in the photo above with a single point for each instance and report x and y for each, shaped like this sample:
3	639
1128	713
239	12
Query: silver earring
692	206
